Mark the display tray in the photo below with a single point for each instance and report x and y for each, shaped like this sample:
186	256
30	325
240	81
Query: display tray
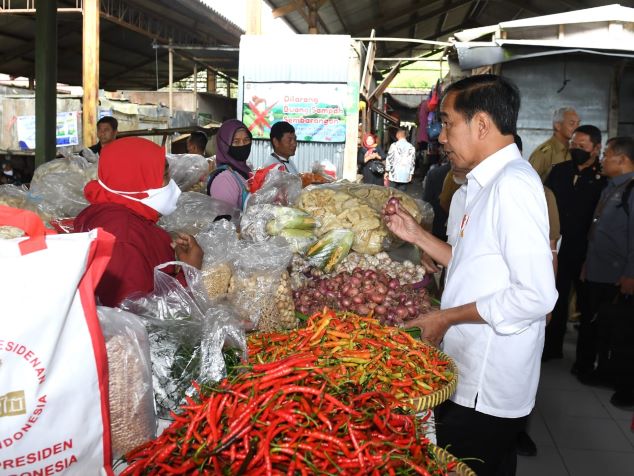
461	468
438	396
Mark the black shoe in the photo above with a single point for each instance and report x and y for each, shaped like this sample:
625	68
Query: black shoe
623	400
595	378
524	445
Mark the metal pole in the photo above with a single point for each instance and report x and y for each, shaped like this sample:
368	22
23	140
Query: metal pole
46	81
90	69
196	91
171	77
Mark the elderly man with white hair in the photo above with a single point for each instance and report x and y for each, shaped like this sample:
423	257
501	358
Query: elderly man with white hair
555	149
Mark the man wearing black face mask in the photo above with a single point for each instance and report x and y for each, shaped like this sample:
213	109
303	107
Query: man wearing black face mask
577	185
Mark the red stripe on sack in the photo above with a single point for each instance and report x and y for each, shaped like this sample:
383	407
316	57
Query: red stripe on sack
98	258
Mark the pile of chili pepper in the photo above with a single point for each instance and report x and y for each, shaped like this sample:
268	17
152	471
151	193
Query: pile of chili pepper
360	350
278	419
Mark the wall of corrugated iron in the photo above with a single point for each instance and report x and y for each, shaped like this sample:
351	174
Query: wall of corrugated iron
297	58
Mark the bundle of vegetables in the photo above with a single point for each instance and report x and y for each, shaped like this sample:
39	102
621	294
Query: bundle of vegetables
360	350
330	250
407	272
364	291
295	226
279	420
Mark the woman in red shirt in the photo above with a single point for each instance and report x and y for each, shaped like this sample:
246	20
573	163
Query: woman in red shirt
132	191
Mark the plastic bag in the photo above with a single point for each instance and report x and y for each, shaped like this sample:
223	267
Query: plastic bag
132	415
255	286
219	243
57	186
260	222
280	188
178	321
356	207
187	169
195	212
222	329
19	197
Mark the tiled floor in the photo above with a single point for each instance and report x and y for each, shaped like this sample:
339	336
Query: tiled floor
576	429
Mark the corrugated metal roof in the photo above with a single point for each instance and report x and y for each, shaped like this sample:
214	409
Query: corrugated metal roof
129	28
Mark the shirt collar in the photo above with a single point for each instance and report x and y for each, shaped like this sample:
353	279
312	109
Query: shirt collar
621	179
486	170
279	157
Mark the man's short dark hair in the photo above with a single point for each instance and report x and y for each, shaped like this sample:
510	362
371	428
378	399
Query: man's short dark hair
109	120
591	131
622	145
199	139
279	129
494	95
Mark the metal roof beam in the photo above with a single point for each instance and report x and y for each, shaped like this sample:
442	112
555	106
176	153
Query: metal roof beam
428	16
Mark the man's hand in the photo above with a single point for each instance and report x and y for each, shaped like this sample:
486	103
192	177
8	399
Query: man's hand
429	264
187	250
400	222
433	326
627	285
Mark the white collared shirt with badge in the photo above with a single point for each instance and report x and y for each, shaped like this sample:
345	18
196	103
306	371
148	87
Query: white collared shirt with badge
501	261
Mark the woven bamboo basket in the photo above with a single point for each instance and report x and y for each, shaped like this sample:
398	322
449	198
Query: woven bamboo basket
434	399
444	457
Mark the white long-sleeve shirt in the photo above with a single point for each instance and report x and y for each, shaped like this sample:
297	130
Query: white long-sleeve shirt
502	262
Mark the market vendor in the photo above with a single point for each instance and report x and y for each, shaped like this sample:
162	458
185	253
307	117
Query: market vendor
500	282
229	181
132	191
106	132
284	143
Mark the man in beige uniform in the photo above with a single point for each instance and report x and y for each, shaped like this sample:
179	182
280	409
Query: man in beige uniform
555	149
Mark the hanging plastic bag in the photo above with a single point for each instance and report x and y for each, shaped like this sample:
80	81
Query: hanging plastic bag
195	212
177	321
187	170
257	289
132	415
219	243
54	367
279	188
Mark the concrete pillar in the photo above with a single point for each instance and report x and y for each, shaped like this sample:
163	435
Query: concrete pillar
90	70
254	17
46	81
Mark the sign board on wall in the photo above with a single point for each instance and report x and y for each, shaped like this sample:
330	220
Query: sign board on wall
316	110
67	132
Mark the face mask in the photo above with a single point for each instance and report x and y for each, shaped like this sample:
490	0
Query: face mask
240	152
163	200
459	180
579	156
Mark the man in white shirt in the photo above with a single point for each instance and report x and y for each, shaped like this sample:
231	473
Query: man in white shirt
400	161
500	283
284	144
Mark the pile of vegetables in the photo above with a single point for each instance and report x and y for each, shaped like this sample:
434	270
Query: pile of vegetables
363	292
407	272
360	350
278	419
